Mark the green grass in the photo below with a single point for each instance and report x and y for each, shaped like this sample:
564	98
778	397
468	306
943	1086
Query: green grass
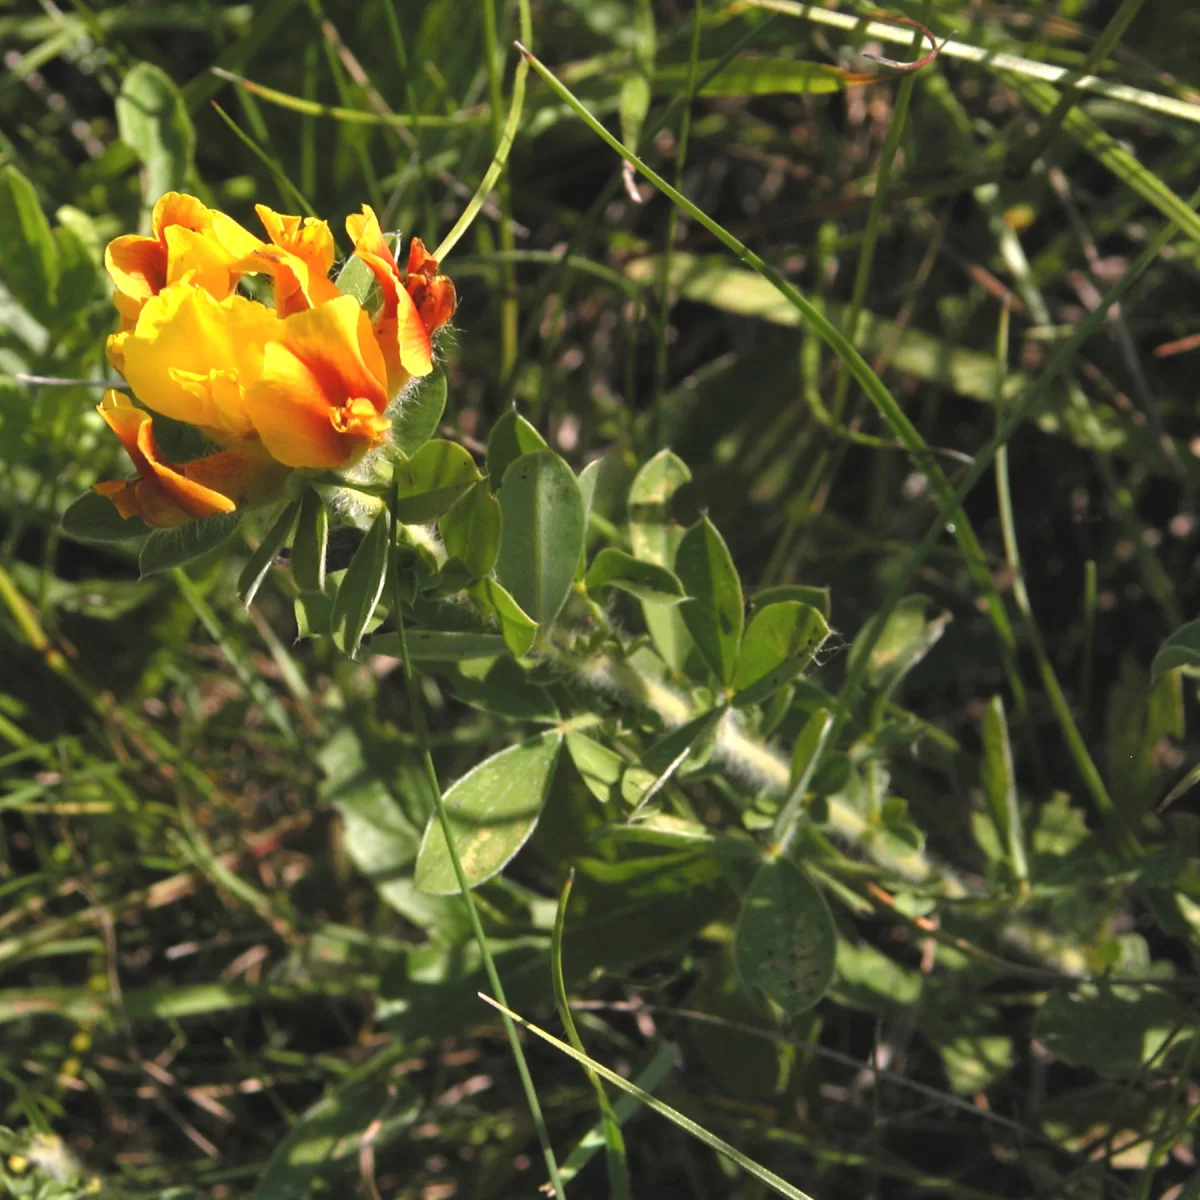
908	344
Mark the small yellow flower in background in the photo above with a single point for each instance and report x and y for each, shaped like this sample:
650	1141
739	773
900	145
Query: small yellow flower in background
305	384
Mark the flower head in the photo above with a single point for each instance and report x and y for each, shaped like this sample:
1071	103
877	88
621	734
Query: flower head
304	384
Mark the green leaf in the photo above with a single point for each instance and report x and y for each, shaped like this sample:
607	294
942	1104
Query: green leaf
1181	649
420	410
314	614
786	942
1000	786
654	536
29	260
645	580
325	1144
511	437
714	611
77	274
752	76
516	626
431	481
542	533
312	538
505	689
779	643
908	635
694	740
360	590
358	280
153	122
492	809
94	518
810	745
439	645
818	597
599	766
255	570
470	529
1113	1030
166	548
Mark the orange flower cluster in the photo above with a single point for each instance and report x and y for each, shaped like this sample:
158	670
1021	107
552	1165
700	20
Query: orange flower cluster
305	384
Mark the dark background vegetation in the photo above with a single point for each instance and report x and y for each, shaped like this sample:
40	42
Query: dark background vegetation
191	957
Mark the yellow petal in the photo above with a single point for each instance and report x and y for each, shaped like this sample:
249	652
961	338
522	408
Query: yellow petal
183	336
320	397
308	239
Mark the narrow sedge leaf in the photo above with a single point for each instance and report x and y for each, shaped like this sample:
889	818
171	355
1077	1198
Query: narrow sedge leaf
599	766
1000	786
470	529
312	538
492	809
786	941
167	548
714	611
153	121
417	418
542	533
779	644
94	518
645	580
360	590
511	437
29	263
431	481
516	626
654	536
750	76
259	563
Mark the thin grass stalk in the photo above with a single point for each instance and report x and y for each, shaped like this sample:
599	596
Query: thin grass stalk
510	301
681	148
422	732
614	1142
287	189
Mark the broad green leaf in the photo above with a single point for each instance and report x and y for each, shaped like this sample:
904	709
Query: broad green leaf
779	643
166	548
646	580
511	437
314	614
818	597
492	809
153	122
694	740
259	563
94	518
654	536
786	942
360	590
1113	1030
505	689
358	280
323	1148
516	626
1000	786
809	747
420	410
542	533
470	529
431	481
1181	649
312	538
713	612
29	259
908	635
440	645
599	766
636	90
750	76
77	274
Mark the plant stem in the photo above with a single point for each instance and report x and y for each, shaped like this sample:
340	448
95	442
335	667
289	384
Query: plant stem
422	732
